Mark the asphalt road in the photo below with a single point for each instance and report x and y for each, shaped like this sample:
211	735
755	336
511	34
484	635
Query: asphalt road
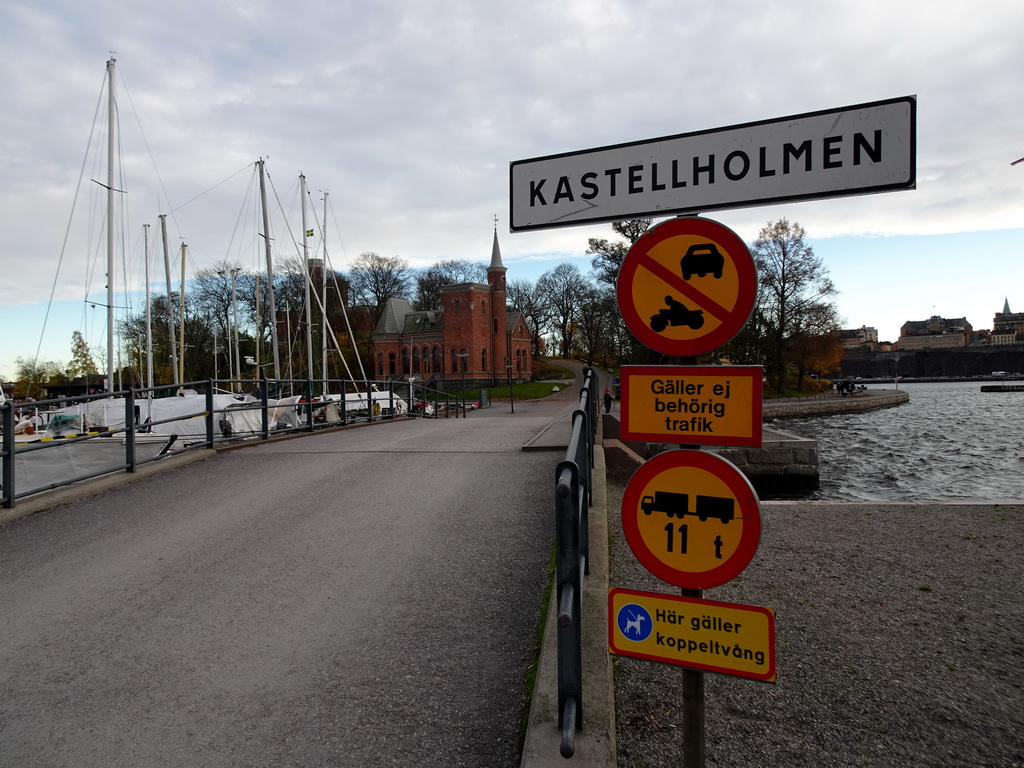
367	597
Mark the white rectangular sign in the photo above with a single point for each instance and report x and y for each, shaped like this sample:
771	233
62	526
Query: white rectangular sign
853	150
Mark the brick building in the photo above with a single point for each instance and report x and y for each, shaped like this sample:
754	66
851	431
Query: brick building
473	336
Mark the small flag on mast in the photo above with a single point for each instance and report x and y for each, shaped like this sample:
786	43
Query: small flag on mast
309	233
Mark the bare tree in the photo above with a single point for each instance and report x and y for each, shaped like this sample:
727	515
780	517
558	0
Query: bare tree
431	280
794	287
374	279
608	255
562	289
523	297
598	316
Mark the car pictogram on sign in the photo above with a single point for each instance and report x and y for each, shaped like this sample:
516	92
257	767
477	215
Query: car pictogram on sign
701	259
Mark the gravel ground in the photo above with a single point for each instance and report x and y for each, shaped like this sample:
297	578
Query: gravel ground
899	642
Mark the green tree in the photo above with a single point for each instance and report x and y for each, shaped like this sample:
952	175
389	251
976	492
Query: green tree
30	374
82	362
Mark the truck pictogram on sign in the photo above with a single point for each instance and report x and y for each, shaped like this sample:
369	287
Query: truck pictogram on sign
691	518
677	505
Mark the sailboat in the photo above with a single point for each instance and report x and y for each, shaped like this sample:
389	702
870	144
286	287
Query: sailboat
89	438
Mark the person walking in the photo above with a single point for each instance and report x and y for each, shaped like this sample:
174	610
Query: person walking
607	401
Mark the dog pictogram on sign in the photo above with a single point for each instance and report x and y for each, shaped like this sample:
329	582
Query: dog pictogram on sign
687	286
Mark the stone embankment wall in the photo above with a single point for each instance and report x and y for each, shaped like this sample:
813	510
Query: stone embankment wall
827	405
784	464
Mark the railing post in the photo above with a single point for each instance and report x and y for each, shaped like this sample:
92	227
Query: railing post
129	429
309	405
264	400
569	591
209	413
7	419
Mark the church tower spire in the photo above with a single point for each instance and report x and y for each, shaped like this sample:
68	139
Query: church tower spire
500	341
1006	301
495	250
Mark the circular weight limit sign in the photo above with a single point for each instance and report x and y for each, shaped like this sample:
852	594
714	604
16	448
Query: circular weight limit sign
691	518
687	286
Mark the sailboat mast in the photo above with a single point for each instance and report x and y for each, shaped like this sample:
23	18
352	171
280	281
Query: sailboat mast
323	307
149	316
181	318
110	224
170	303
270	274
305	270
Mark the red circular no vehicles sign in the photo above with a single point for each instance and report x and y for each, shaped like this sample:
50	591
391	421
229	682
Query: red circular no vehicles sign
687	286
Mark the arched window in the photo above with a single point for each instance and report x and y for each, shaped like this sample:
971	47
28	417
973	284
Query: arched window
391	364
438	360
483	359
380	363
416	360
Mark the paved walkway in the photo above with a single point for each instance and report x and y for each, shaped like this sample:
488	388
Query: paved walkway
362	597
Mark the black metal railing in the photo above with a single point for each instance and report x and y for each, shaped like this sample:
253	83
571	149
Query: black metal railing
129	427
573	497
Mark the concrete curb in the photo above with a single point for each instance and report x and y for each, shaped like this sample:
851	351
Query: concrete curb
595	743
82	490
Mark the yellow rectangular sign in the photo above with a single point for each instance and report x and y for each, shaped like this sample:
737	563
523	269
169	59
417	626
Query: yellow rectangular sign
692	404
700	634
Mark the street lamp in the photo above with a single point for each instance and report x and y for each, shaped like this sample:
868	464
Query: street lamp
462	357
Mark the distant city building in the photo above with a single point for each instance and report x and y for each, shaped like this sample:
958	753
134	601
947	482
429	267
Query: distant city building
852	338
935	333
1007	326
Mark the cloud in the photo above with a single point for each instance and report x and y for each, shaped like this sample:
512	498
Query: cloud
409	112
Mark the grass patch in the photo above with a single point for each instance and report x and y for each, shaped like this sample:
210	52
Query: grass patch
538	641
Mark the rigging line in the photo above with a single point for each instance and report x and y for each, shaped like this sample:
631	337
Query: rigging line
219	183
333	336
323	310
145	140
280	207
337	227
67	230
240	219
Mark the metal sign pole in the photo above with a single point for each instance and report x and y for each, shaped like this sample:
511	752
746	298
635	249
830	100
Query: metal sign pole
693	707
693	679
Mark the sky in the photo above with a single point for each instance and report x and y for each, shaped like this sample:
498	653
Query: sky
407	113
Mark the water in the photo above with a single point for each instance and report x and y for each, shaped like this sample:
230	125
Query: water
952	442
